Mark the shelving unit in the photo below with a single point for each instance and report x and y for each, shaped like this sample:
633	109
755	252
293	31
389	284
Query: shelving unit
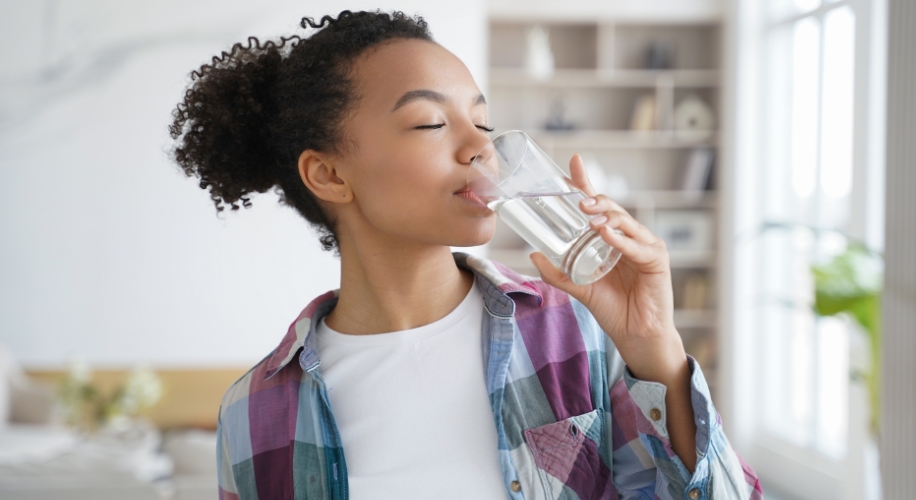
600	73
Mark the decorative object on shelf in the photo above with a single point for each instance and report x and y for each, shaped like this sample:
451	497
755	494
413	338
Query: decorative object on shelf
659	55
643	114
86	408
556	117
684	230
693	119
696	175
695	291
851	283
538	57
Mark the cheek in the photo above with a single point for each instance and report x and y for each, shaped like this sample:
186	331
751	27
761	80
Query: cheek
400	187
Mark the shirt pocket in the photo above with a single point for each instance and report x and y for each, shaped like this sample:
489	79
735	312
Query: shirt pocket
566	453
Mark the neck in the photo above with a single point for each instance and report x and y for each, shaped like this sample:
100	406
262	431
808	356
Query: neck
390	286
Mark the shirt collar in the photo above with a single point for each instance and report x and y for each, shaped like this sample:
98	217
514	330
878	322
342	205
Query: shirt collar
495	280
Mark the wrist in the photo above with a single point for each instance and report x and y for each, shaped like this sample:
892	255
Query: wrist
663	361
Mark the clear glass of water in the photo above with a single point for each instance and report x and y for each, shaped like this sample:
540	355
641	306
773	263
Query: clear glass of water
535	198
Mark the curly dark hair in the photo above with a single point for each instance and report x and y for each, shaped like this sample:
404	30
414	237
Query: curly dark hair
248	114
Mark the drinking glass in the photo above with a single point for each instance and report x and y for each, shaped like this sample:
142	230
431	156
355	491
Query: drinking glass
535	198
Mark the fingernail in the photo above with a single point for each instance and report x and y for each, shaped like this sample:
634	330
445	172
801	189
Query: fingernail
589	202
599	220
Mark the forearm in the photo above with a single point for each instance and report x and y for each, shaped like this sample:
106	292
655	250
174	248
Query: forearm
665	362
682	427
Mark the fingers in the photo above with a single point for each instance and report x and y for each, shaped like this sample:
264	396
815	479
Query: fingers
634	251
615	225
600	204
634	240
615	219
579	176
554	276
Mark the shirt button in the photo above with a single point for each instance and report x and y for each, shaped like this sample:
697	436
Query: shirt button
516	486
656	414
694	494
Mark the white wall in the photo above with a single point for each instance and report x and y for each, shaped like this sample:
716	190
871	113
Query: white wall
106	250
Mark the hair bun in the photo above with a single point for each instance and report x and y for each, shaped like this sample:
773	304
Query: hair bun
224	123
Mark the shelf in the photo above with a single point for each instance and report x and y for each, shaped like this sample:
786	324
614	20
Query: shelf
625	139
599	79
695	318
589	78
670	199
676	13
692	258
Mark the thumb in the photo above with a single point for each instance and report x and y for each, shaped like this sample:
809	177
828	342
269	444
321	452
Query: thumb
554	276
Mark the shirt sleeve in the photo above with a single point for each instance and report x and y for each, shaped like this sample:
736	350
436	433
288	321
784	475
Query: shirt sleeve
225	478
644	463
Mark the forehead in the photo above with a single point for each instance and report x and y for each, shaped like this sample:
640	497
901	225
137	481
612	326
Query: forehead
389	70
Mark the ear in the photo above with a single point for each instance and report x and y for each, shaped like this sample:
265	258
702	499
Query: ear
320	176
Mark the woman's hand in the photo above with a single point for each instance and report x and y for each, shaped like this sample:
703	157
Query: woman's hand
634	302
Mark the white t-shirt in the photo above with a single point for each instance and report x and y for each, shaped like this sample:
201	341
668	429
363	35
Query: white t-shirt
413	409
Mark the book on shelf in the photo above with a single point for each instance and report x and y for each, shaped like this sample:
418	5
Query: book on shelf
642	117
695	291
697	175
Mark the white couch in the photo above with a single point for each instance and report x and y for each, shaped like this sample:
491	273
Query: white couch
40	460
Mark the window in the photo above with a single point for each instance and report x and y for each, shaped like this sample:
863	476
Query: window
807	160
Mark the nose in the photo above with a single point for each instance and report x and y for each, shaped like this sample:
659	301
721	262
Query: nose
473	142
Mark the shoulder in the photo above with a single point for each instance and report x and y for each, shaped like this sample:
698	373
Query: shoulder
268	383
264	390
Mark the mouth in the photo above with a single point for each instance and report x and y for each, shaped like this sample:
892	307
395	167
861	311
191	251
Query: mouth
471	197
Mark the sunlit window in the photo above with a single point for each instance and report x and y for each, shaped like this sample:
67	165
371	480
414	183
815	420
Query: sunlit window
809	171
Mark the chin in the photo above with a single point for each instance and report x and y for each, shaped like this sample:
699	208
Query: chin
478	234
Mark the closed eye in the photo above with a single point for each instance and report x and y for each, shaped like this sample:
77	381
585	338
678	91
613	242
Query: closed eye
440	125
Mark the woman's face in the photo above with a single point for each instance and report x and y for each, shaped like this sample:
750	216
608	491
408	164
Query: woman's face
418	123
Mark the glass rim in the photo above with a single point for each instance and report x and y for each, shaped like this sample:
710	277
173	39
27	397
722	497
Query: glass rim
528	142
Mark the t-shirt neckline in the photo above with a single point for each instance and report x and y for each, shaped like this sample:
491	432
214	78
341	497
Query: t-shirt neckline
472	299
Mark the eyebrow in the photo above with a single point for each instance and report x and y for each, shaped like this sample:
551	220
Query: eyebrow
430	95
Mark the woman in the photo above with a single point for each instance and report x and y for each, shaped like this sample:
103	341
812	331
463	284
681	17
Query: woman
428	374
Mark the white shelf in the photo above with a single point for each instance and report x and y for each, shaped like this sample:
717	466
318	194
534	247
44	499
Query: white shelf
598	83
695	318
590	78
687	258
677	12
625	139
670	199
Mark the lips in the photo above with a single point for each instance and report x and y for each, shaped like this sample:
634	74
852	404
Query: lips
471	197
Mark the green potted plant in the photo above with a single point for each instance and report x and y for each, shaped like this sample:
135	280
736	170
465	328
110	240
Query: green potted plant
851	284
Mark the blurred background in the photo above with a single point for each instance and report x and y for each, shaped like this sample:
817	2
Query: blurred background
769	142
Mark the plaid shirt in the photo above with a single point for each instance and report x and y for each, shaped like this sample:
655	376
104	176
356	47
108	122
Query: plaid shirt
572	421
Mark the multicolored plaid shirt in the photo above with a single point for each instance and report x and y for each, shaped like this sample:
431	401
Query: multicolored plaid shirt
572	421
